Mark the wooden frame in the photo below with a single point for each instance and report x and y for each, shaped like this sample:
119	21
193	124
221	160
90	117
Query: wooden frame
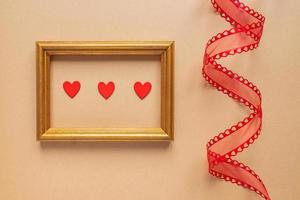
46	49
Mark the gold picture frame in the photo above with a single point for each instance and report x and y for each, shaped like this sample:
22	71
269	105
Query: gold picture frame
46	49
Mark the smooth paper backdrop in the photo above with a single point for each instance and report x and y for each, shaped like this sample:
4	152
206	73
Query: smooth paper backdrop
30	170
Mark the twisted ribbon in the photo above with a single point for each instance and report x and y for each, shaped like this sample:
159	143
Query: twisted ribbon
244	36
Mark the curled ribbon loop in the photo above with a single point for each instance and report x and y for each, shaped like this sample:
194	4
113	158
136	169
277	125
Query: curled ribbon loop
244	36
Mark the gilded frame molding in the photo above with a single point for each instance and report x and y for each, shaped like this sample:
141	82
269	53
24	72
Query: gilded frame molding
46	49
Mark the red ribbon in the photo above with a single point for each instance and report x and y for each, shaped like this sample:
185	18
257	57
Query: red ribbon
244	36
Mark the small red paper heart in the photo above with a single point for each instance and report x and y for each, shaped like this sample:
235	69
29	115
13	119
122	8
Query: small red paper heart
142	90
71	88
106	90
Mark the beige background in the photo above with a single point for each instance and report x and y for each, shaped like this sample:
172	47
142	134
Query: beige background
30	170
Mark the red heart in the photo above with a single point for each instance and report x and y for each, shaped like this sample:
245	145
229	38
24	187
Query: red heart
106	90
142	90
71	88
